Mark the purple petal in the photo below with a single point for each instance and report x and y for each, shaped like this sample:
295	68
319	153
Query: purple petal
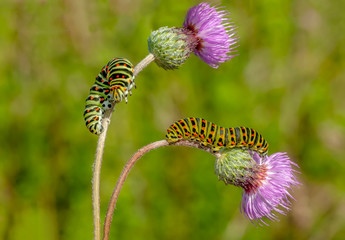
273	193
215	33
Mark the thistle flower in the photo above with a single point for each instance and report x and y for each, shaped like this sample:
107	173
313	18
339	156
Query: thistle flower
215	34
266	181
206	31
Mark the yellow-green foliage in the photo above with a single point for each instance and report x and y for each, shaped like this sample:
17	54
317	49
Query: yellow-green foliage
287	83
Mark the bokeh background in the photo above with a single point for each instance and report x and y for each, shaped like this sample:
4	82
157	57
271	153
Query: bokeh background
288	82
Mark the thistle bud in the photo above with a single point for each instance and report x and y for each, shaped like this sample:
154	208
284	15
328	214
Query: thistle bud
235	167
171	46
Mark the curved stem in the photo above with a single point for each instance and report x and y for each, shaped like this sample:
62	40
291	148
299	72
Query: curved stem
128	167
99	155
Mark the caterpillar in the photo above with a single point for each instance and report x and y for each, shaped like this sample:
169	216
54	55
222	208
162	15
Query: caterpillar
217	138
120	77
111	86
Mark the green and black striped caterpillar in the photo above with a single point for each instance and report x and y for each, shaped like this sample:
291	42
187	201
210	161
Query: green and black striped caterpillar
112	85
210	135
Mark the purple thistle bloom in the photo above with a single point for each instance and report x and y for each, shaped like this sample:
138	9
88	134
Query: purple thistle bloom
214	32
268	188
266	181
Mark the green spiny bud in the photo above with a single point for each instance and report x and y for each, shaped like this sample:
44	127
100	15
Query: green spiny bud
171	46
235	166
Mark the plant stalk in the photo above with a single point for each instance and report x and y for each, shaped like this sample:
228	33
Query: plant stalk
99	155
128	167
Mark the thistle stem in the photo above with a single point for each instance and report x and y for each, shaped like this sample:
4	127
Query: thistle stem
128	167
99	155
141	65
96	178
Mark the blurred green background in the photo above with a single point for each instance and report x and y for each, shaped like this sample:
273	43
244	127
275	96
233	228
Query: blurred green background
288	82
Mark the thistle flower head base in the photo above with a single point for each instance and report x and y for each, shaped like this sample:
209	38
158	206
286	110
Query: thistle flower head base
171	46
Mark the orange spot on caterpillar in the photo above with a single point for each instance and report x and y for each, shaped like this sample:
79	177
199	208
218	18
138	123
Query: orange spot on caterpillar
209	140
